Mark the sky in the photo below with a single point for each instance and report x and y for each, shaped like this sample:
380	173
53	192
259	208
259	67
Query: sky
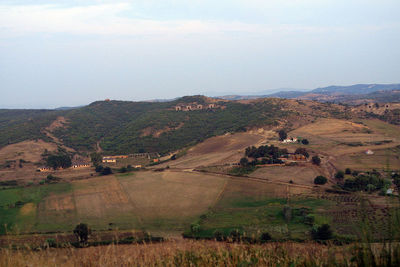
71	53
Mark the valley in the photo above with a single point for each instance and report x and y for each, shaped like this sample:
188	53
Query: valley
193	192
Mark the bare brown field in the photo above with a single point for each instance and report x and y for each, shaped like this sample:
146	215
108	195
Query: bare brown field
26	150
338	140
219	150
298	174
171	197
163	201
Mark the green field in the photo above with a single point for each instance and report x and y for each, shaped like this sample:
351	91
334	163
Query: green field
253	208
18	205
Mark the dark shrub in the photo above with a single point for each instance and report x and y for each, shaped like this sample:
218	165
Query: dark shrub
305	142
320	180
316	160
106	171
347	171
339	175
235	235
322	232
218	235
99	168
265	237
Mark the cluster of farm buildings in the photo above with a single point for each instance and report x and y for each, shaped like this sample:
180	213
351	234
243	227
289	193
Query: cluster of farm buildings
194	106
76	162
113	159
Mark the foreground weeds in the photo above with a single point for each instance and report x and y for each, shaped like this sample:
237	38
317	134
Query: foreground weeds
205	253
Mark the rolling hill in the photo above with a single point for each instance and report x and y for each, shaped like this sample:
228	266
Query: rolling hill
128	127
353	94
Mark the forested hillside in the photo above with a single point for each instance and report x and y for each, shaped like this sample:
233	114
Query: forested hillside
129	127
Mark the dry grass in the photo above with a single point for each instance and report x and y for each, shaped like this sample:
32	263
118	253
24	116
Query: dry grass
173	197
303	175
219	150
183	253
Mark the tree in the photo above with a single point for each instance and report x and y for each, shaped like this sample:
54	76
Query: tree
322	232
316	160
95	158
320	180
339	175
82	232
106	171
282	135
244	162
59	161
302	151
99	168
305	142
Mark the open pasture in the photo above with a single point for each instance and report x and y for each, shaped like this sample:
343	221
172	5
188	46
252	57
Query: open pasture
170	200
303	175
164	201
346	142
218	150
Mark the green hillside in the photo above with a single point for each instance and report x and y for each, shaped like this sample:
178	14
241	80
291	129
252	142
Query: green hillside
129	127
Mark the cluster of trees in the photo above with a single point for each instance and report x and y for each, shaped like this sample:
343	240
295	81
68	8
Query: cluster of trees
366	182
56	161
265	152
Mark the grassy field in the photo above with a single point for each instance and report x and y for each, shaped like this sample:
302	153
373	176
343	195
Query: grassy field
256	207
163	201
18	206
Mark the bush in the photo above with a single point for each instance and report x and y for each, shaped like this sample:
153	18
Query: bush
235	235
244	162
218	235
195	227
347	171
316	160
99	168
265	237
106	171
339	175
305	142
302	151
322	232
320	180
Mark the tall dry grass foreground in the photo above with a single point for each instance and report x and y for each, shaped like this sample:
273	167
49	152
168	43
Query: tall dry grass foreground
183	253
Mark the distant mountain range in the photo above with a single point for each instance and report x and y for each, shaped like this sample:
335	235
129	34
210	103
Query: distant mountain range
353	94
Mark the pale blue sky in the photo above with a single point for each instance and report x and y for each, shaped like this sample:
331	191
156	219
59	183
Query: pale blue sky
68	53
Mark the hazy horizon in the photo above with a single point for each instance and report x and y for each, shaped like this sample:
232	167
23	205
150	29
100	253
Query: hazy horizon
71	53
